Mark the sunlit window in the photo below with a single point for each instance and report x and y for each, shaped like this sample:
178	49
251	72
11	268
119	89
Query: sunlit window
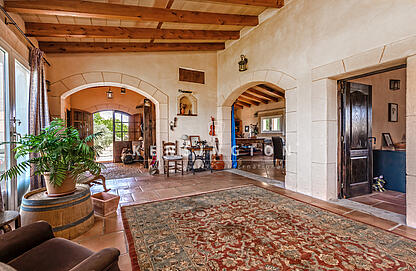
271	124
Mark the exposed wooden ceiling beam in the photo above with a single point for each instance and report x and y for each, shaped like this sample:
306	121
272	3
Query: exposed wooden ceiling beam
242	99
272	90
98	47
260	3
249	100
236	105
262	94
239	102
255	98
89	31
125	12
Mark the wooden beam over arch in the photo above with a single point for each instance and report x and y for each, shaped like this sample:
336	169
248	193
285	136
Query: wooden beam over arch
76	8
96	31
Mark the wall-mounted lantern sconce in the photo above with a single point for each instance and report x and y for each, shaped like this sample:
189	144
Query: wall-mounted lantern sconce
173	124
147	102
394	84
242	64
109	94
123	91
48	85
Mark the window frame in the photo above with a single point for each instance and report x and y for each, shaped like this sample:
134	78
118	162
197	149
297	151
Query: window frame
122	132
271	117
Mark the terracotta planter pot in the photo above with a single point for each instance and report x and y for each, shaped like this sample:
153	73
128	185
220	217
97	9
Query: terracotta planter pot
67	187
105	203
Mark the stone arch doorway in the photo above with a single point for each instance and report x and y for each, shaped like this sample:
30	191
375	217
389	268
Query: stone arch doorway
249	80
61	89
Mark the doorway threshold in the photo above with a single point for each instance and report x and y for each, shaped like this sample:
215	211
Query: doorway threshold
257	177
356	206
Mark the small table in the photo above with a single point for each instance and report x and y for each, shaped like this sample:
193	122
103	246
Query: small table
250	141
205	157
8	217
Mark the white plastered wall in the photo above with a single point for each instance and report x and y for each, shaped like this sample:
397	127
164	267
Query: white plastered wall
316	43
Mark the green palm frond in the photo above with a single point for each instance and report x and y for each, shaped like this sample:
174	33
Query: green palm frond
58	150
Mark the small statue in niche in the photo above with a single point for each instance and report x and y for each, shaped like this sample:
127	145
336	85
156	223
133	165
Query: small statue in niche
185	106
182	108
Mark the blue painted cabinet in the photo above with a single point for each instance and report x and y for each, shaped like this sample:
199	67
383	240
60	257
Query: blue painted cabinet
392	165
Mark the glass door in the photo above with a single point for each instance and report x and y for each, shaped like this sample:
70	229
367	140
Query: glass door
4	129
22	77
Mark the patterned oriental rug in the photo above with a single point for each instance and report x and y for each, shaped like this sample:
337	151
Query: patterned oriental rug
251	228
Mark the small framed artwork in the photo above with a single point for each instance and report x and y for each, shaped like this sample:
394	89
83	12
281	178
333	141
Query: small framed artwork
393	112
194	140
246	128
388	140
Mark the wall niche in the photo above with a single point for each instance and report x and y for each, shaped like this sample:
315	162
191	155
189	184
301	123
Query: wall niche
187	105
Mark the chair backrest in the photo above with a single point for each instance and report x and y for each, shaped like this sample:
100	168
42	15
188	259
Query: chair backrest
170	148
277	147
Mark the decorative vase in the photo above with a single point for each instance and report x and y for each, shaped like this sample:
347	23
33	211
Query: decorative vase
67	187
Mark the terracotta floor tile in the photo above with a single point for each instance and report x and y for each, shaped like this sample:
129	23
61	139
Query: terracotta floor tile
399	209
372	220
113	223
115	239
145	196
124	262
406	232
390	198
168	193
126	198
366	200
96	230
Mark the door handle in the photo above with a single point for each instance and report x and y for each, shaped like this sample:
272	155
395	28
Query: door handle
373	138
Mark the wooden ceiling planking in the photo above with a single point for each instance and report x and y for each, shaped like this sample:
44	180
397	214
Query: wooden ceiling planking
98	47
86	31
260	3
242	99
241	104
124	12
254	98
130	25
262	94
271	90
236	105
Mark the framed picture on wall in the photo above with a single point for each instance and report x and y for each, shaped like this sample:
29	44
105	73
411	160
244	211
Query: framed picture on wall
194	140
388	140
246	128
393	112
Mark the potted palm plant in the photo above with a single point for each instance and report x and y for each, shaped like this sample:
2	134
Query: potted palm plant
62	157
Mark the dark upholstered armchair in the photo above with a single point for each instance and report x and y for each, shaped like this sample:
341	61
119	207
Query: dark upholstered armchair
34	247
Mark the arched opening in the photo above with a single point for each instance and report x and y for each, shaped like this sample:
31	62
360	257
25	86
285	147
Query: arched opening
259	122
127	120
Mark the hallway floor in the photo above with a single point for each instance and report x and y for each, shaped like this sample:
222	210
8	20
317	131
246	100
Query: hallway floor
389	200
261	165
109	231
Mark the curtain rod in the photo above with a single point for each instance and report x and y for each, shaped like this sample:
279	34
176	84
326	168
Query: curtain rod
13	22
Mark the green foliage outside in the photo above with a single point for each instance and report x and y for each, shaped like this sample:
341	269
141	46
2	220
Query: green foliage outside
106	127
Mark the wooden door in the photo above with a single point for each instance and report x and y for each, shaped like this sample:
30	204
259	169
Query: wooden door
357	158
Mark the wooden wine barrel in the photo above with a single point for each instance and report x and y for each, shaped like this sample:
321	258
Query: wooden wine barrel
69	216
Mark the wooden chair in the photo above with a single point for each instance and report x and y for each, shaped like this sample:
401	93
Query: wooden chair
278	153
170	155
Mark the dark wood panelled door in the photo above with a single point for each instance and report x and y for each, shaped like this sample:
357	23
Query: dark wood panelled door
357	158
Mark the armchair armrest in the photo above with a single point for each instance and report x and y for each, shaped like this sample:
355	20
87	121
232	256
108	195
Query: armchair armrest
105	259
17	242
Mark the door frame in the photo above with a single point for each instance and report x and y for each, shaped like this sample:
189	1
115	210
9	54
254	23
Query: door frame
12	55
340	170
